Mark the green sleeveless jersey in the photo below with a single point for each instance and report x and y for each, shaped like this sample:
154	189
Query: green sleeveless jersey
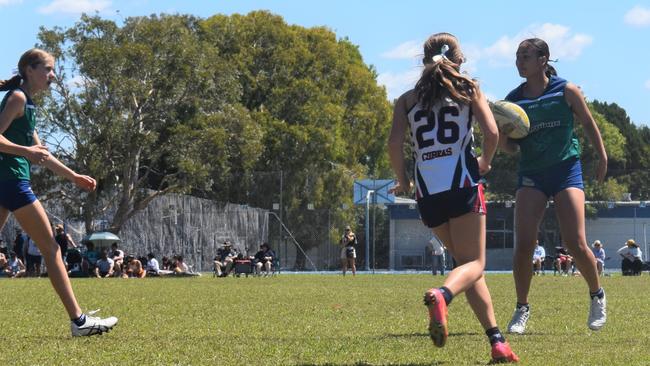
20	132
551	138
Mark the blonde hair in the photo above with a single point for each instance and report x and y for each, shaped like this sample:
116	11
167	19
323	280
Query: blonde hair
31	58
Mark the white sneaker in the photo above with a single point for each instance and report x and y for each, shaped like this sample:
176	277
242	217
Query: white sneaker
597	313
519	319
93	325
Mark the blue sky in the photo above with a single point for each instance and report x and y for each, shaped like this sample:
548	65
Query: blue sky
602	48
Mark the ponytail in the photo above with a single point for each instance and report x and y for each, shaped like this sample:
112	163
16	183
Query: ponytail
550	71
442	79
11	83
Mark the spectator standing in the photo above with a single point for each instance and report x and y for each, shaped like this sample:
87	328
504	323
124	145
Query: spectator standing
348	252
19	245
632	262
437	252
64	240
599	254
34	258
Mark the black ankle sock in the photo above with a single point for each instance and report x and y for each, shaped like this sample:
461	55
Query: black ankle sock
599	294
81	320
495	336
520	305
446	293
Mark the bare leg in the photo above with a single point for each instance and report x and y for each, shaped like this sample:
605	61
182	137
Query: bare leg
36	224
4	215
478	297
464	236
570	212
529	210
353	265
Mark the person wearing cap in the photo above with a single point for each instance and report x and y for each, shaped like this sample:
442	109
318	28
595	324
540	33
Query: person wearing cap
348	252
599	253
632	258
64	240
223	262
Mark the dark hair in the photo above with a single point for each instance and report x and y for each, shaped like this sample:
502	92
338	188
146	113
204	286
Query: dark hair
151	255
442	77
542	50
31	58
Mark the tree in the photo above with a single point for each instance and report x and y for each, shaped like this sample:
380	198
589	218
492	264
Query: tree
128	97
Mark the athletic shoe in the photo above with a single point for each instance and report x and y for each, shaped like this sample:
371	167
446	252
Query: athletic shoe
93	325
597	313
519	319
501	353
435	302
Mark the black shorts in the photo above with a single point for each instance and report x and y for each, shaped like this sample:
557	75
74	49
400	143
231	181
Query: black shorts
438	208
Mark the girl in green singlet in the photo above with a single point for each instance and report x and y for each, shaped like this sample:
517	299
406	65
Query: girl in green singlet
19	148
549	166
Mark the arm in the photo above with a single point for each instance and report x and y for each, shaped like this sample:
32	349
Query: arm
489	129
579	107
70	241
396	145
53	164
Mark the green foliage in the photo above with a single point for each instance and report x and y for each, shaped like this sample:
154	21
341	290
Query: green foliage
315	320
174	103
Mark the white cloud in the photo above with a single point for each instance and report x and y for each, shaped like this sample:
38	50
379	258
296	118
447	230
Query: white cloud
638	16
563	43
74	6
647	84
9	2
407	50
398	83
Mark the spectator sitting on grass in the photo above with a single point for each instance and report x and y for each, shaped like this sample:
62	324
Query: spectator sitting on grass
133	268
104	266
91	256
12	267
117	256
632	262
76	264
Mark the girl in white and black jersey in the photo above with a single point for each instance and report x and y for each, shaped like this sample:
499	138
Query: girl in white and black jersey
450	197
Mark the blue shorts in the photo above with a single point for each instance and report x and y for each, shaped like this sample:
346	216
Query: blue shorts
15	194
555	178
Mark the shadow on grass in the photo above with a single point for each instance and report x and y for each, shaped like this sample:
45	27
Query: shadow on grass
433	363
426	335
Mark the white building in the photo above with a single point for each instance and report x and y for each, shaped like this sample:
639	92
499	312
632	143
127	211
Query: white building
613	225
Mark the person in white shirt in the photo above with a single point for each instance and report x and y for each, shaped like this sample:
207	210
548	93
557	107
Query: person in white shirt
538	258
152	264
632	258
437	251
599	253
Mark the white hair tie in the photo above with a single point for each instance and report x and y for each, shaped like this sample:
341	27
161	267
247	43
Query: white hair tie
443	51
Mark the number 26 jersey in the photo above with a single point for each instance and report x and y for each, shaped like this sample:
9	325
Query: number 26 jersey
443	147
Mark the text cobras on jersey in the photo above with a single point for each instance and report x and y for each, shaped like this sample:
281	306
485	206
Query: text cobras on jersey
437	154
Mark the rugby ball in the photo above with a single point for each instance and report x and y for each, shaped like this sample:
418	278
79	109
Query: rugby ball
511	119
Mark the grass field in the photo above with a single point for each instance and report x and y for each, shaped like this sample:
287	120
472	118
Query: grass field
314	320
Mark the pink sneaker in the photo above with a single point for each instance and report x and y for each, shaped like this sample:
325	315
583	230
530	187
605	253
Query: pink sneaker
501	353
435	302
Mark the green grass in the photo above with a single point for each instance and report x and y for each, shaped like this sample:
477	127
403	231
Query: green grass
314	319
